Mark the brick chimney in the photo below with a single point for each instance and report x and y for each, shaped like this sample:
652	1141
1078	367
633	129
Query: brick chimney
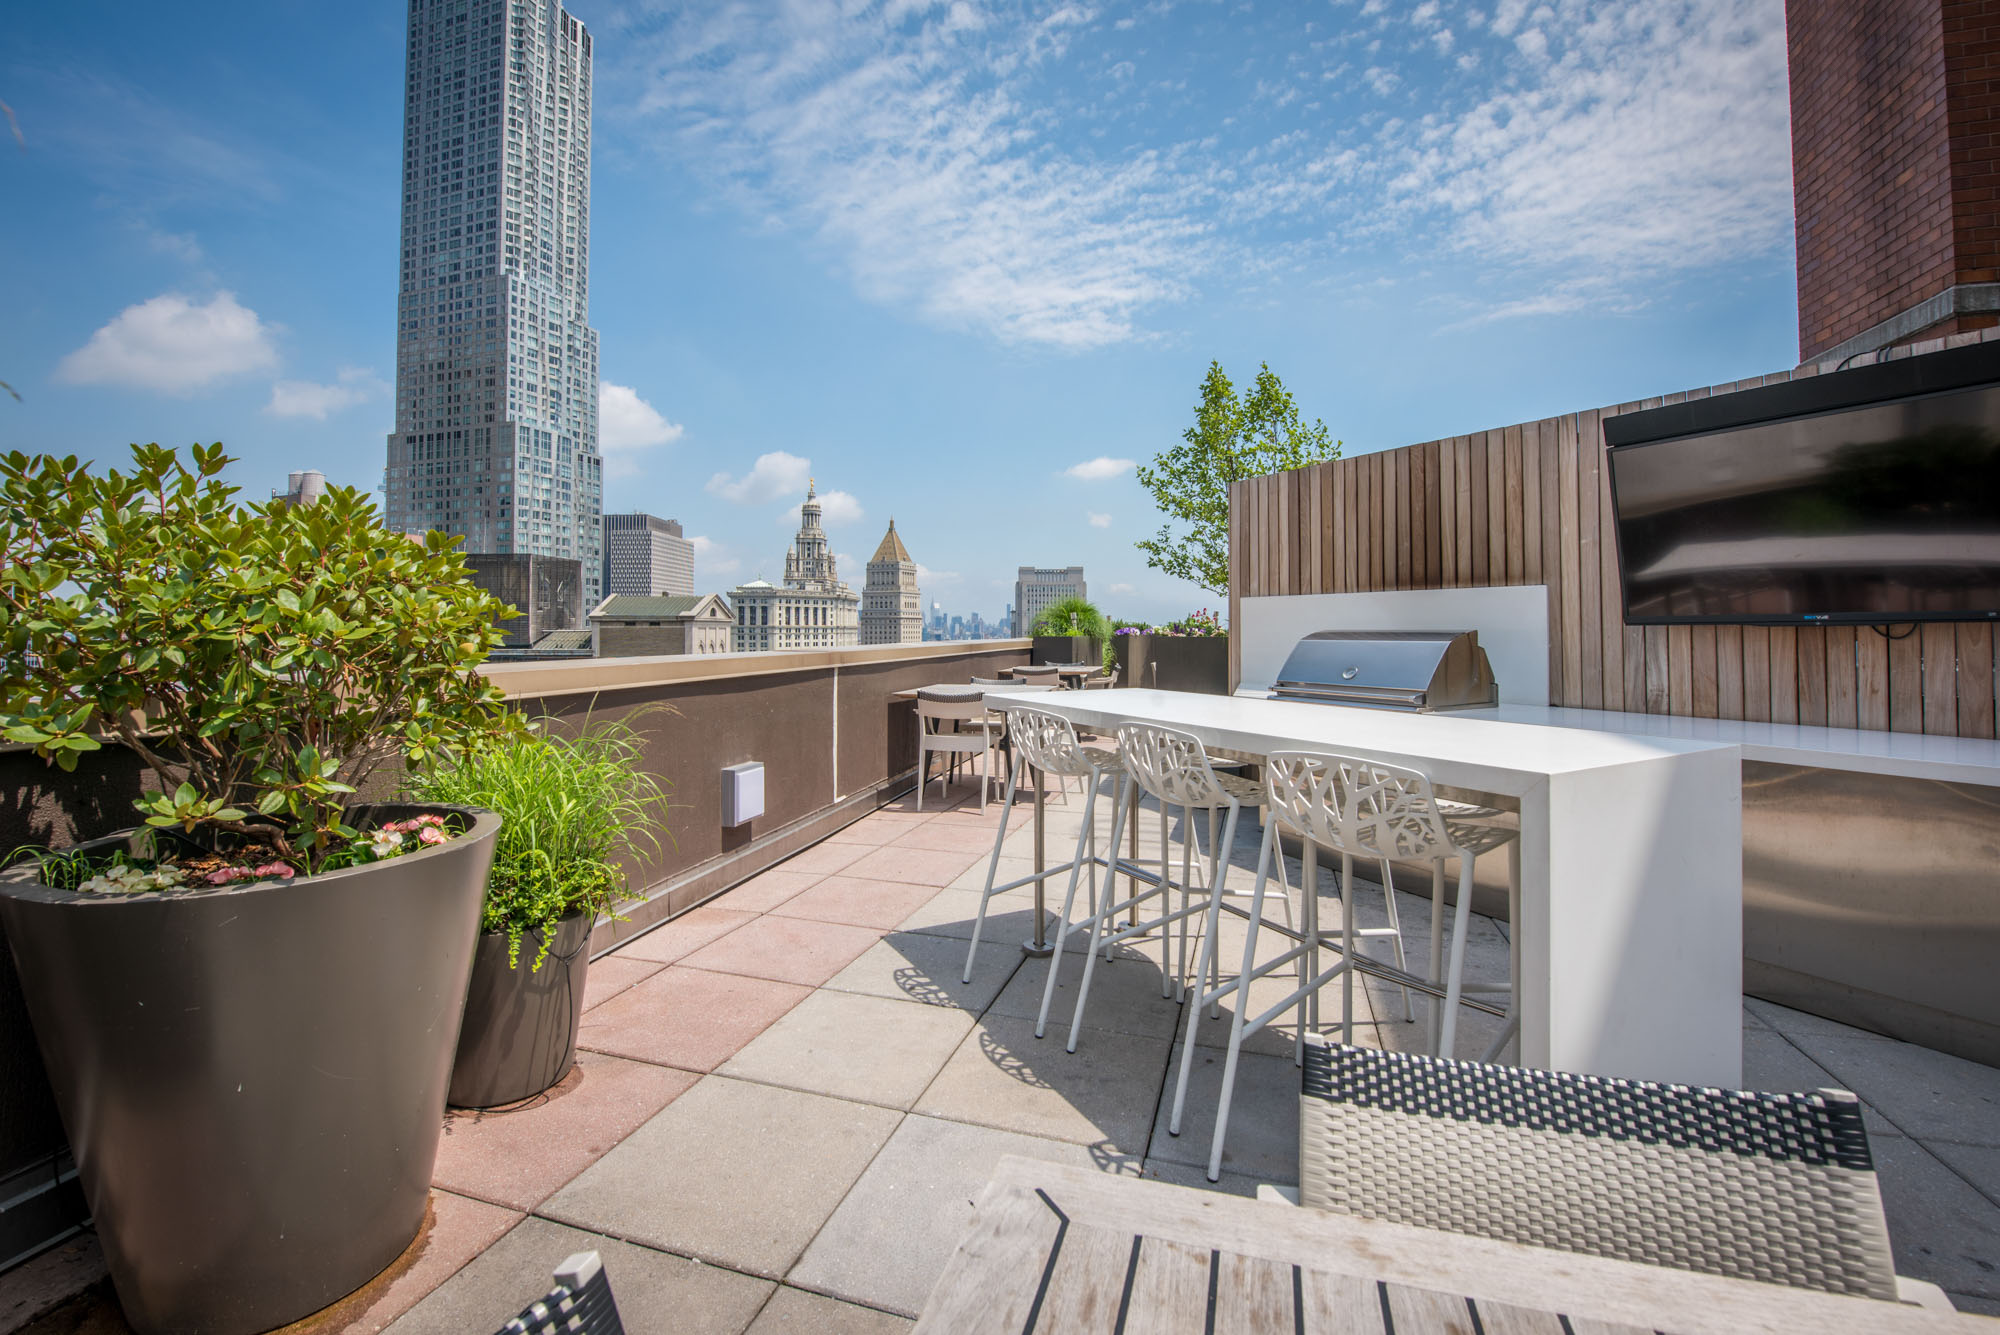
1895	170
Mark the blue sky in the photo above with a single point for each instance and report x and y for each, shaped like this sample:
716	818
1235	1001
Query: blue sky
957	261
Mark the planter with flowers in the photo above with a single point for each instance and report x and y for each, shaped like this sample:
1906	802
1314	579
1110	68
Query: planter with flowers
1187	655
574	807
248	1004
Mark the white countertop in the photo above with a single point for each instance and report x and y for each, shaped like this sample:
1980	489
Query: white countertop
1480	751
1911	755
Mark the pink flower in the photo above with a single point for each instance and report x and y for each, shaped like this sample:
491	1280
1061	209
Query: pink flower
430	820
277	869
222	876
430	834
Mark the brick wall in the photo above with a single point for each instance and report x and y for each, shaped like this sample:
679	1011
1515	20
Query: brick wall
1895	159
1871	162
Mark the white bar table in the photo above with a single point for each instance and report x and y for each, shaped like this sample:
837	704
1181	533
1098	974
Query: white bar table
1631	931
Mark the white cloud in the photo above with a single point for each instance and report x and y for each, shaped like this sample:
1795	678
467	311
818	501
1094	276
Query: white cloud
773	475
916	145
627	426
1632	137
1100	469
712	560
627	422
1099	521
306	398
1121	588
174	345
926	577
836	507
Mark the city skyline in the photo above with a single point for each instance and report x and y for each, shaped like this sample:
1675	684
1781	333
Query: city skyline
1429	219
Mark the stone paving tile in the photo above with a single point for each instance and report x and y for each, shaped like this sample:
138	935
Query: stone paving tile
1977	1164
655	1291
1102	1096
857	901
517	1156
916	966
953	912
919	1191
681	936
460	1231
869	1049
1940	1228
1010	869
1928	1094
867	831
956	836
1187	1175
735	1173
766	890
1263	1140
796	1312
824	859
1124	994
612	974
1772	1064
691	1018
789	950
912	866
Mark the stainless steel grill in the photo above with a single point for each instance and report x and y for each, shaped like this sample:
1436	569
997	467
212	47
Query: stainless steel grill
1421	671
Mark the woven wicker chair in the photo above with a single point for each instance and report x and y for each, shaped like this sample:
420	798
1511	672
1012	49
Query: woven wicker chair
954	721
1778	1188
1042	674
579	1304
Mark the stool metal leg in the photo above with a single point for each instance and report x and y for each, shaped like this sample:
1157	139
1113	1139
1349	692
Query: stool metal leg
1063	932
1202	966
979	923
1461	922
1038	945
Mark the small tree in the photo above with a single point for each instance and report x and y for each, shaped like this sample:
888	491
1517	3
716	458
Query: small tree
262	661
1232	438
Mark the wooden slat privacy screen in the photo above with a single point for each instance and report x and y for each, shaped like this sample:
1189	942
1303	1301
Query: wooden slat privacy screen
1530	504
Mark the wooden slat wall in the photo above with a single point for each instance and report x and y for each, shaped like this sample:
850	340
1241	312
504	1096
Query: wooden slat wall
1531	504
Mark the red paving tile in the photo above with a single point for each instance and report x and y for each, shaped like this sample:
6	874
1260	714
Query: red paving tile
685	934
691	1018
765	891
865	831
789	950
613	974
824	859
858	902
458	1230
913	866
519	1156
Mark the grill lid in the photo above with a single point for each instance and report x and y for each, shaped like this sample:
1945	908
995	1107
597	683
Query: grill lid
1404	669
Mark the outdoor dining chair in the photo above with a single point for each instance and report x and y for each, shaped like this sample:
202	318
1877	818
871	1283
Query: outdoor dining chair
955	722
579	1304
1778	1188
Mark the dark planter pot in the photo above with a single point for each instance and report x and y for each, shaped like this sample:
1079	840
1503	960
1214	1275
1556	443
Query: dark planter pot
253	1077
1068	649
519	1034
1198	663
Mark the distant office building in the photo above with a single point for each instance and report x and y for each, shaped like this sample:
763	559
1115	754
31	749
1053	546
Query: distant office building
892	606
302	488
812	609
546	590
496	362
647	557
631	626
1036	588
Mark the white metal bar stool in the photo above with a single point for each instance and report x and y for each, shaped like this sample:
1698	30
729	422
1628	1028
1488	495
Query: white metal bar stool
1048	743
1174	769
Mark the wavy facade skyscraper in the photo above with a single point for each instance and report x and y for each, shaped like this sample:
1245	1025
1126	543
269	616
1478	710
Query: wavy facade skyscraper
496	362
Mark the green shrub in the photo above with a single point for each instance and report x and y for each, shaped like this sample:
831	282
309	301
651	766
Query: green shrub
570	807
1071	616
262	661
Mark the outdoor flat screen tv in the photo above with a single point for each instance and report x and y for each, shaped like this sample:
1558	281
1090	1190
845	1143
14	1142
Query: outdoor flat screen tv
1867	496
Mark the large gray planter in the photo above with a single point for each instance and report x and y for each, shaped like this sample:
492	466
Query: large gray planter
519	1034
253	1077
1198	663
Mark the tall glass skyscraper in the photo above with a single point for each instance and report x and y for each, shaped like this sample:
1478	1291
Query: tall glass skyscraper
496	362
